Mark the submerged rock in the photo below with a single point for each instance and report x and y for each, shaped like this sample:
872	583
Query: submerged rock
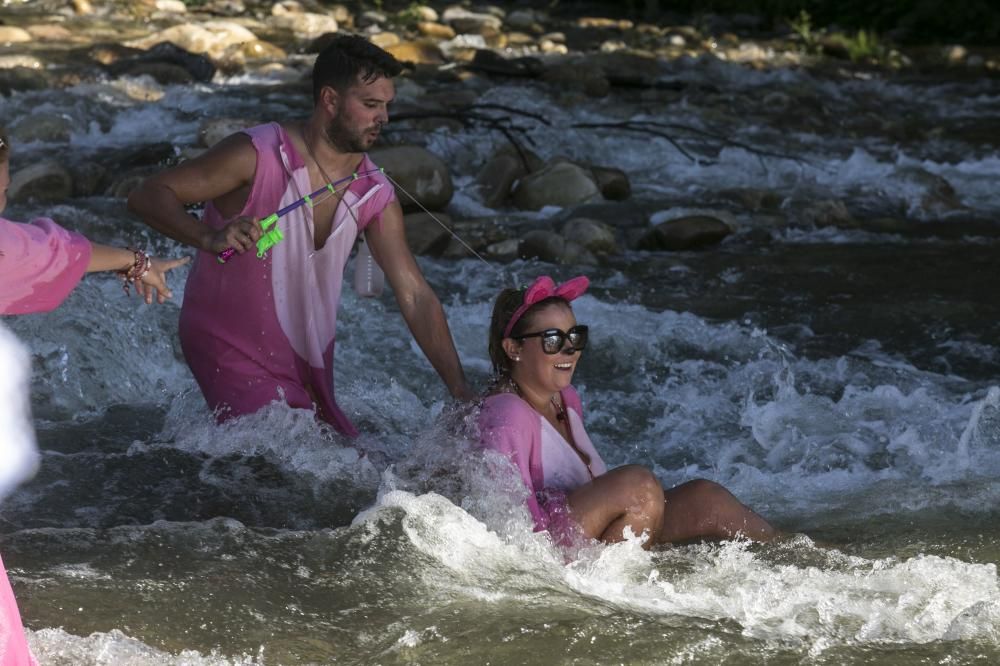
685	233
42	181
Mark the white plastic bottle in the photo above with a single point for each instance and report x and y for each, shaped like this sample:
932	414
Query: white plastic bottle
369	280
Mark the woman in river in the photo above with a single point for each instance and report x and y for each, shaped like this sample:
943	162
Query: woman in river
534	416
41	263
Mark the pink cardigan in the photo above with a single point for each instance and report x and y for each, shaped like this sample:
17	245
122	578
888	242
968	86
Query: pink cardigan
40	264
509	425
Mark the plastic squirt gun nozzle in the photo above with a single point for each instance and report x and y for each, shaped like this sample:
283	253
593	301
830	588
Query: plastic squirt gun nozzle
270	238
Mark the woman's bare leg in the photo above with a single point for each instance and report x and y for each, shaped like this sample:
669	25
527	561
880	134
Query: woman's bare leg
625	496
703	509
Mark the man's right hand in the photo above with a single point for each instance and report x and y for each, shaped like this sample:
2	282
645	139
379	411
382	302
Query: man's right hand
241	234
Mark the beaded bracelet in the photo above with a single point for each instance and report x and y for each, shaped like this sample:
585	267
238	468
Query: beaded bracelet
134	273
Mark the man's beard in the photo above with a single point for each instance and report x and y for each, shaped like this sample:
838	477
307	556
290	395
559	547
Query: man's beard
346	140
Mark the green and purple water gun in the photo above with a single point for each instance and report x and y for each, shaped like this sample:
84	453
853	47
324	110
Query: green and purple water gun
274	236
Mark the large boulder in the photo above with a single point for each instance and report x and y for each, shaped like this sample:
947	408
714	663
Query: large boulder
418	172
685	233
166	62
560	183
42	181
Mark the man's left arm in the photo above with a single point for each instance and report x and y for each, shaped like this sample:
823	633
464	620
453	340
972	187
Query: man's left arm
417	301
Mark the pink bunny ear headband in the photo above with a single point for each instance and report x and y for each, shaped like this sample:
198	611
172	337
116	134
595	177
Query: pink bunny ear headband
543	288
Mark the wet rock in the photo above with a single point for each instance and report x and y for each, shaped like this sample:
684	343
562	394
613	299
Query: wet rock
685	233
211	38
239	55
22	61
110	53
497	176
558	184
89	178
385	39
306	25
83	7
43	126
12	35
465	21
286	7
372	17
21	78
425	13
418	171
50	32
214	130
613	183
541	244
167	63
424	235
822	213
492	62
576	254
42	181
936	194
753	199
505	250
171	6
122	186
225	7
527	20
594	236
421	52
435	30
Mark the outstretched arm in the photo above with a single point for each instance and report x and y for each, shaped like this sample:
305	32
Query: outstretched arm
417	301
225	171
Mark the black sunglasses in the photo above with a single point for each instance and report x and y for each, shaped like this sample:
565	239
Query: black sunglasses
553	339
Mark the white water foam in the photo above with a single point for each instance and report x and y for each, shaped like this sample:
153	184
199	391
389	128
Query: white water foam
56	647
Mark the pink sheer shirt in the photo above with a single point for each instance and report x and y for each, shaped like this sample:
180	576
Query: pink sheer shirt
548	465
40	264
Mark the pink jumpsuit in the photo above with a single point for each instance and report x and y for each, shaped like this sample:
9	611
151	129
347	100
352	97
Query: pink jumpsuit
258	330
549	466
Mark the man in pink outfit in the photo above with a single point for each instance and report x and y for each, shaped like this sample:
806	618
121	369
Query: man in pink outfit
255	330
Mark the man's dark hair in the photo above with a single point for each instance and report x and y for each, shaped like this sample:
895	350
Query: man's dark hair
349	58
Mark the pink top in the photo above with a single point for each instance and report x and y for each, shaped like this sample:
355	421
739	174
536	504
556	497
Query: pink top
13	645
258	330
544	458
40	264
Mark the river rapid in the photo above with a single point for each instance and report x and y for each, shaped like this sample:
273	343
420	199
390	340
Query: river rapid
840	378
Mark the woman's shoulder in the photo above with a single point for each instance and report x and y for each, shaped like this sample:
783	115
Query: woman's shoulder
502	408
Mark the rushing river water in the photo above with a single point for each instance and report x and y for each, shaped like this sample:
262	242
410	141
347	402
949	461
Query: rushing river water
842	381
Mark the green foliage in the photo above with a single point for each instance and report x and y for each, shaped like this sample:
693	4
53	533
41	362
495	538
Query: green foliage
802	27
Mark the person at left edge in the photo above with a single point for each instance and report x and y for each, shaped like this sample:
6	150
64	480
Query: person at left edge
255	330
